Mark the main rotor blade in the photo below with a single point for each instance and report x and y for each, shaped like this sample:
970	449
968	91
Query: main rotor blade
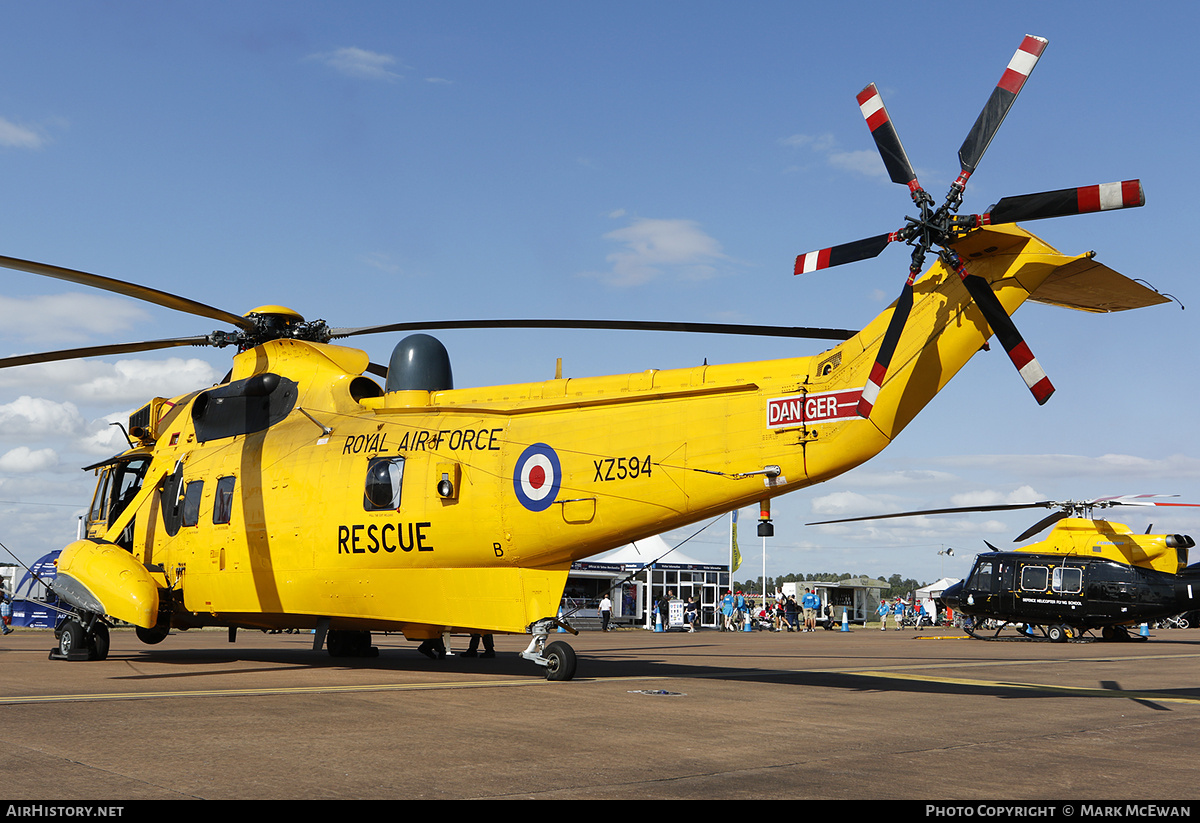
887	347
102	351
1126	194
145	293
960	510
1005	330
887	140
998	104
1048	520
634	325
844	253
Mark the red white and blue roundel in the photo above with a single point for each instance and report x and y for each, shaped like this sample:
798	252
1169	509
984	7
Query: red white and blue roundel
536	477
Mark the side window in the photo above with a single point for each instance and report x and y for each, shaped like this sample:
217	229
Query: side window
385	478
1068	580
1035	578
191	502
223	501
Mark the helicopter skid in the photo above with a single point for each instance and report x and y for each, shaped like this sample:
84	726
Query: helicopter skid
1052	634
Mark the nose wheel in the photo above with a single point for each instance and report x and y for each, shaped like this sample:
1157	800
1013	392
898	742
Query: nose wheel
81	639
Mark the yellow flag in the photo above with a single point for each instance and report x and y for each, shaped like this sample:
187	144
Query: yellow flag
735	556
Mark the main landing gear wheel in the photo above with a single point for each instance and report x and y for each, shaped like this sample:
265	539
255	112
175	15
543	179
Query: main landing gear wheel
1058	634
557	658
344	643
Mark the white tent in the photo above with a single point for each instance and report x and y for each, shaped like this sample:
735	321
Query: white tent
643	552
929	594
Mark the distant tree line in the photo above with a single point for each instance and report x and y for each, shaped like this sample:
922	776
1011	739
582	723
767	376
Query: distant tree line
896	585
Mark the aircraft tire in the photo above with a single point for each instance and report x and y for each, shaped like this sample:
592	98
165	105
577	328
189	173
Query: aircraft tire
341	643
561	659
70	637
1057	634
98	643
151	636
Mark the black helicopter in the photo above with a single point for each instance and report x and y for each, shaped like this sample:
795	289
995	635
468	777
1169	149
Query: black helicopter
1086	575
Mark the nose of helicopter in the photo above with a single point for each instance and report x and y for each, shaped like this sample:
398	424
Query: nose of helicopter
952	596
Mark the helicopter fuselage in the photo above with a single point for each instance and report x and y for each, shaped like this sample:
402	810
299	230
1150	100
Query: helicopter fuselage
301	491
1079	592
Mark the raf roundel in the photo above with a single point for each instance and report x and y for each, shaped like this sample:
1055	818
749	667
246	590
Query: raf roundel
536	477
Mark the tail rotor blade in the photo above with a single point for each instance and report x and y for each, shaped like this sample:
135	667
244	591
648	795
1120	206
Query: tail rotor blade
998	104
887	140
845	253
887	348
1006	332
1126	194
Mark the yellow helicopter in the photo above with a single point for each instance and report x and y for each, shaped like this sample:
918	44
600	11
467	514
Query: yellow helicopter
300	492
1088	574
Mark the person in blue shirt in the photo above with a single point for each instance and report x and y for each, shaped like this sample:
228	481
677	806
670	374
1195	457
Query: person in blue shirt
883	611
6	611
727	611
810	603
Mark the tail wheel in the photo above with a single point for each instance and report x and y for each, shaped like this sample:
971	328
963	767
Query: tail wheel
560	659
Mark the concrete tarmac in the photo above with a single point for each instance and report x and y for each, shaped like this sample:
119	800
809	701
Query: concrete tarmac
844	715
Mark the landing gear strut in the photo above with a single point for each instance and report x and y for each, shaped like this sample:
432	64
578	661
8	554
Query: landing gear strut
557	658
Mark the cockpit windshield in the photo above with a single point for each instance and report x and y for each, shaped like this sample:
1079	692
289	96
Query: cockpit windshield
119	483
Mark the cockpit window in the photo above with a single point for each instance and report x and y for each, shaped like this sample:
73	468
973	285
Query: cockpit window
99	510
119	484
385	478
982	577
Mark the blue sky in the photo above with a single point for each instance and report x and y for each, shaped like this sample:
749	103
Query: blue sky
382	161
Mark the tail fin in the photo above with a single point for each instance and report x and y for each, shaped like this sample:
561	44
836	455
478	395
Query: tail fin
945	327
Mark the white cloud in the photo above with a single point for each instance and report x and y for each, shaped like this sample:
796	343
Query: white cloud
864	162
105	438
37	417
1069	466
16	136
847	504
66	318
991	497
137	381
652	247
23	460
355	62
822	143
125	383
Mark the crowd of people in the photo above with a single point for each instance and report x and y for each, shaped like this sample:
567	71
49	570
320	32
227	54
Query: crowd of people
903	613
781	614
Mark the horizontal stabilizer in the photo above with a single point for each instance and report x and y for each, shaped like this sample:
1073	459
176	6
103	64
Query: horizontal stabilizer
1086	285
